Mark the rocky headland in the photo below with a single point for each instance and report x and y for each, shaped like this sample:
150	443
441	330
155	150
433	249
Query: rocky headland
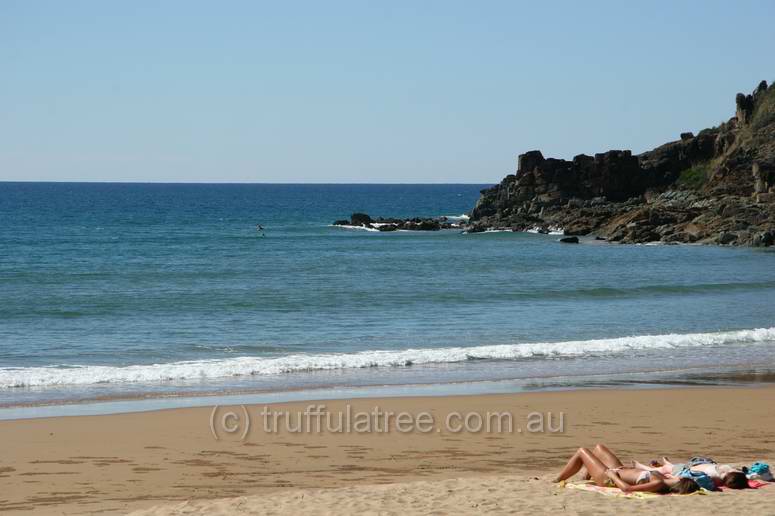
715	187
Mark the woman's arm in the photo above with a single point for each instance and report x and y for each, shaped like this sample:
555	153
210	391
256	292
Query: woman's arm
617	480
653	486
664	469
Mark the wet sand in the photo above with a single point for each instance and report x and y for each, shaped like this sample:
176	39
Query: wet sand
170	462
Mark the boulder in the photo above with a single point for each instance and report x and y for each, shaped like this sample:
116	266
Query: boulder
679	237
579	227
726	238
763	239
429	225
695	229
570	240
360	219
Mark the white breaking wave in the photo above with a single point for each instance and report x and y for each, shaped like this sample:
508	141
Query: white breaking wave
552	230
244	366
461	217
362	228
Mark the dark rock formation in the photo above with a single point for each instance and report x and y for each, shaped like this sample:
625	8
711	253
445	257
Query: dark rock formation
716	187
360	219
391	224
570	240
744	108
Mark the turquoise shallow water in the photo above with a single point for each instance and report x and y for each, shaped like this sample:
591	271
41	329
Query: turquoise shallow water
137	289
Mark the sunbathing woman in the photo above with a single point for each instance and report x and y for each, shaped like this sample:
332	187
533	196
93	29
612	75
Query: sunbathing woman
606	470
721	474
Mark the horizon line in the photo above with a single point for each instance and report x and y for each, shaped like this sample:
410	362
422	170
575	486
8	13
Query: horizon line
33	181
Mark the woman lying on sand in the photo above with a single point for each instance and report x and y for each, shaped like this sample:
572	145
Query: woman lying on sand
721	474
606	470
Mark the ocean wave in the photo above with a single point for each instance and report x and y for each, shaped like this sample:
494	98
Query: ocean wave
247	366
347	226
551	230
489	230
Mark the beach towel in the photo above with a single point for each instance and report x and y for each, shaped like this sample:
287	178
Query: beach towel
756	484
588	485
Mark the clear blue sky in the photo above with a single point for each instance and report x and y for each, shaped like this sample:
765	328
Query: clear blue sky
361	91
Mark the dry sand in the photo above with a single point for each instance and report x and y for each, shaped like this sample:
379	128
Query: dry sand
168	462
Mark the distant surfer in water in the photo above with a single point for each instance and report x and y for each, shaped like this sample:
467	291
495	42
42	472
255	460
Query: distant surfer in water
260	228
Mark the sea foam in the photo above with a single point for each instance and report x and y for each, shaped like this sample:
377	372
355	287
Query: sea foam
244	366
463	217
348	226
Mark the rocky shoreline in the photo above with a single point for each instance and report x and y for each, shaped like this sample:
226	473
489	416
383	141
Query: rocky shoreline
717	187
362	220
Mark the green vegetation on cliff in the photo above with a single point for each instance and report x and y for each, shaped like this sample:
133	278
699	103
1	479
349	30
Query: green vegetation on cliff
695	177
764	114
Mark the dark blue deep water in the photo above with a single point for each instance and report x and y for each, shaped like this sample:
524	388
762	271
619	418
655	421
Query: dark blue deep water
136	289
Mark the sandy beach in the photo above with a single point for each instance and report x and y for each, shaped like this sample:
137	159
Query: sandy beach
170	462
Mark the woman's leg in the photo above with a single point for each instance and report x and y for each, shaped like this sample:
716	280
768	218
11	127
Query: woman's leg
607	457
584	457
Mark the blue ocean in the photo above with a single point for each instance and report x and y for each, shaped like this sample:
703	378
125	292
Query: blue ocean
156	290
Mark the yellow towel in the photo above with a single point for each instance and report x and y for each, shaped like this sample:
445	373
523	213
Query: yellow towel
588	485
